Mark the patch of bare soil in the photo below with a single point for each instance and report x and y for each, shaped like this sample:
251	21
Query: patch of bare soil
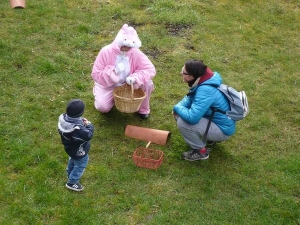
176	29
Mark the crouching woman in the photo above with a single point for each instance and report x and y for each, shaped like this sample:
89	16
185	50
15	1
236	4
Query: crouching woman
192	113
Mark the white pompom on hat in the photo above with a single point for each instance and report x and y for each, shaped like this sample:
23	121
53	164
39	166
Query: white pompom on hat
128	36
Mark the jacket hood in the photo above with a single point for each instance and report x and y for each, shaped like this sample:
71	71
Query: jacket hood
215	80
66	126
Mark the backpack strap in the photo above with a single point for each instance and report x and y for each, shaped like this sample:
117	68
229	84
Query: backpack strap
213	108
218	110
204	137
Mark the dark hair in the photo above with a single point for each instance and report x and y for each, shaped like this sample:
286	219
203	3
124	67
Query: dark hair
196	68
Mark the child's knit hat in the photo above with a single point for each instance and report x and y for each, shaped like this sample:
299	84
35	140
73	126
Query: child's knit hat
75	108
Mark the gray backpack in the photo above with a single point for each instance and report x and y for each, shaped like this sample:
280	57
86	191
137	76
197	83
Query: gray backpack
239	107
238	101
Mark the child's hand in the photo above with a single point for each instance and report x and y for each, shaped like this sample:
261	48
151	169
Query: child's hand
86	122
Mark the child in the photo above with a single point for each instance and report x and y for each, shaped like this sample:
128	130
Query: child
76	133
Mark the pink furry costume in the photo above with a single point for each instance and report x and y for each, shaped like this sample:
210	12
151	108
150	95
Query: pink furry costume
113	68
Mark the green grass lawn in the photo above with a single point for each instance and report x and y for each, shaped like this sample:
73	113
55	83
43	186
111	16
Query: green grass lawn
46	56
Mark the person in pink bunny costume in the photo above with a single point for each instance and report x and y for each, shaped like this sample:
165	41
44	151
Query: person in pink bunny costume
122	62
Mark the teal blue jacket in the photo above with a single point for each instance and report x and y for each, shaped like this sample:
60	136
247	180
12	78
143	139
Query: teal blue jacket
197	104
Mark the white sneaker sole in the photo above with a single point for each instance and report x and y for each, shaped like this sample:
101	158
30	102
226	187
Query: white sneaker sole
192	160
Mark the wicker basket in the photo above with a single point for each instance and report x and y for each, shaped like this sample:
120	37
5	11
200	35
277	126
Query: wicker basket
147	158
128	100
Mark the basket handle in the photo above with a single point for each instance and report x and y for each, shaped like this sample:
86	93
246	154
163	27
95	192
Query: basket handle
132	90
148	144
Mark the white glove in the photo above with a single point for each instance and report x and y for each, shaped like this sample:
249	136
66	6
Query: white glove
130	80
119	68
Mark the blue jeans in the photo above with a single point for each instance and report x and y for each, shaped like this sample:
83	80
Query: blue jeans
76	168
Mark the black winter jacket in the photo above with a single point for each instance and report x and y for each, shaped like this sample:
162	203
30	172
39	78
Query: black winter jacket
75	136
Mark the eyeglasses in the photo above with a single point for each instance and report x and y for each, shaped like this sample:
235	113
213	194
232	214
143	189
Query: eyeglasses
183	73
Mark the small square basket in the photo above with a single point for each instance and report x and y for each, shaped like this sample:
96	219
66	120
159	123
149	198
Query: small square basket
147	158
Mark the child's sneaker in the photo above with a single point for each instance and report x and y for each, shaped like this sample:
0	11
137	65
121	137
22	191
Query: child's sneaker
196	154
74	187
